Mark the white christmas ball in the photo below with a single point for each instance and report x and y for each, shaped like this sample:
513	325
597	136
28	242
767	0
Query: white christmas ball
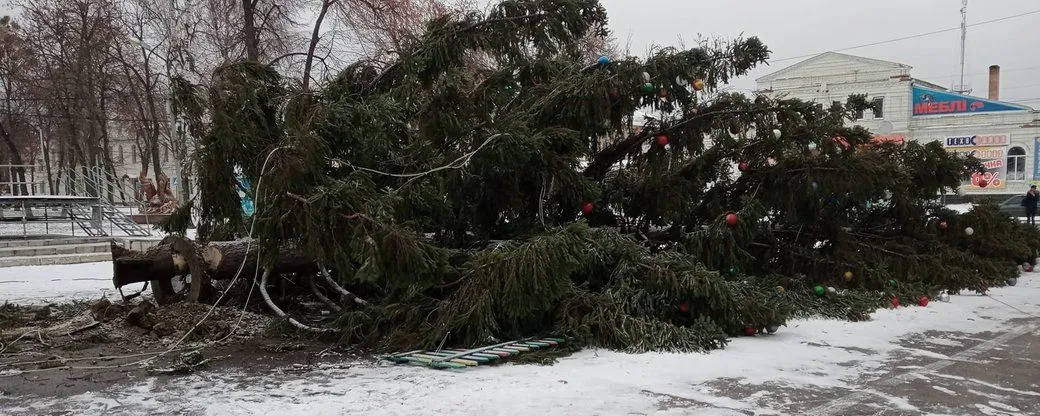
1036	261
831	290
646	76
771	162
1012	281
777	133
969	231
812	145
944	297
772	329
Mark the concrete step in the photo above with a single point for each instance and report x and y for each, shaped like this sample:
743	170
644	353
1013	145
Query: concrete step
50	260
50	250
56	241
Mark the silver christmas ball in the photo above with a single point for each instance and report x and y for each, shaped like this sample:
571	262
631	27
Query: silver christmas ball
646	76
832	290
777	133
772	329
1012	281
944	297
969	231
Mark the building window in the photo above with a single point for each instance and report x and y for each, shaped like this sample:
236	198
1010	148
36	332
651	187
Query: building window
879	107
1016	164
166	155
121	156
133	156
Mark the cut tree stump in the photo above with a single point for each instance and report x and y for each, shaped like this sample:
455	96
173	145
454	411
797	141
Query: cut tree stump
157	265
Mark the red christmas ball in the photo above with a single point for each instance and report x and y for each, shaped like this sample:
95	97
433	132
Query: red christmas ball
684	308
749	331
744	167
983	183
587	207
662	139
895	302
922	301
614	94
731	219
1029	269
663	93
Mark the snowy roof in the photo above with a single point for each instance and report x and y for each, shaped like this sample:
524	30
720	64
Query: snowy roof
878	63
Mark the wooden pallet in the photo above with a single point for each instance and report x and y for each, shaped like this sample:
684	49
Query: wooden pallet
460	358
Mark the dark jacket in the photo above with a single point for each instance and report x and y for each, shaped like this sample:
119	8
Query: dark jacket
1030	201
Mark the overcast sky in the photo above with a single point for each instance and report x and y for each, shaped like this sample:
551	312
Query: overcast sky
799	27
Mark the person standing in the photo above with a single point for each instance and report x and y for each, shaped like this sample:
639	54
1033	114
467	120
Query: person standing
1032	196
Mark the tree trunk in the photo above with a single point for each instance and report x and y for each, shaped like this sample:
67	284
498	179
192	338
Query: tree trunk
249	30
225	258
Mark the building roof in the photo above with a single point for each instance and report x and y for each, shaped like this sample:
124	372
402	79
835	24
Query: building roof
880	64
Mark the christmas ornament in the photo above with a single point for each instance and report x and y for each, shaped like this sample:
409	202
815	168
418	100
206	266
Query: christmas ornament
731	219
848	276
777	133
819	290
587	207
812	145
922	301
743	167
943	225
1012	281
969	231
772	329
680	81
944	297
1037	261
749	331
983	183
646	76
663	93
770	162
831	291
892	282
662	140
603	60
815	186
684	308
1021	269
698	84
614	94
895	302
648	88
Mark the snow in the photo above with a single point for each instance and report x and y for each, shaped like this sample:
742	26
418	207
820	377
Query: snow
37	285
813	354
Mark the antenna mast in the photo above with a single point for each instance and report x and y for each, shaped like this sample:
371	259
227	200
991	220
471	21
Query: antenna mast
961	88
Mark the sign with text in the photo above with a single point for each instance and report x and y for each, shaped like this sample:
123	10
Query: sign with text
929	102
991	150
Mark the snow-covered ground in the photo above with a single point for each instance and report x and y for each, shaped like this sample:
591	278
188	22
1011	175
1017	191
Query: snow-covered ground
811	354
37	285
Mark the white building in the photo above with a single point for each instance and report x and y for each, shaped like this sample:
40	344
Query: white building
1004	136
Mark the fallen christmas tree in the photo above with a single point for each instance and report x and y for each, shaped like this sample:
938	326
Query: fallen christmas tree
490	182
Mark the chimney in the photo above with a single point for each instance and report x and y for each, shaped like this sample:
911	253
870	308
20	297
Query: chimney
994	82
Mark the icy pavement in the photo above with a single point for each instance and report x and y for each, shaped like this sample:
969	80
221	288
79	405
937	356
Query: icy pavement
974	355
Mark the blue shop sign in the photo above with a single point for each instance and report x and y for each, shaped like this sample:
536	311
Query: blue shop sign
930	102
